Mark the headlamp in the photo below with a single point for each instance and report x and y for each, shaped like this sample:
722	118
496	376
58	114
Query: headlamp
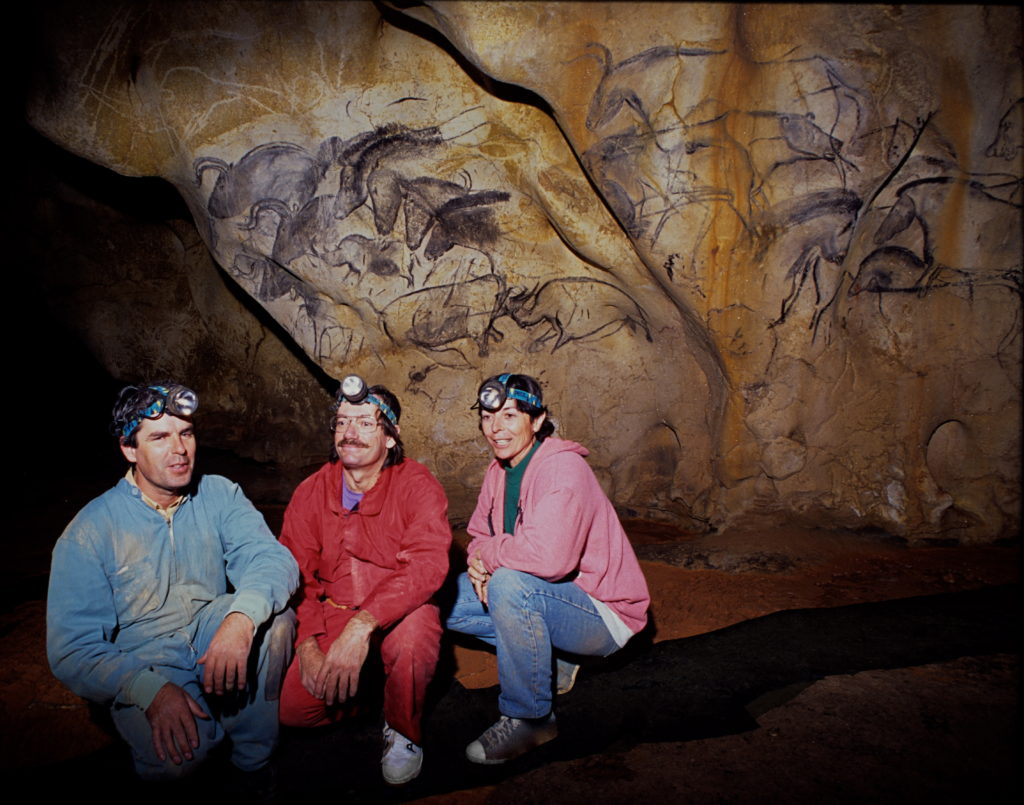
493	394
175	399
353	389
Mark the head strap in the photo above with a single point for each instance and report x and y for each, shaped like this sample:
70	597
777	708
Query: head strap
175	399
494	393
353	389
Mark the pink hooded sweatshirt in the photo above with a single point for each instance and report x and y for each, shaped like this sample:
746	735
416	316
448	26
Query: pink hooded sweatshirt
566	527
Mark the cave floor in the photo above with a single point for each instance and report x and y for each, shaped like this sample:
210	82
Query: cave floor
782	664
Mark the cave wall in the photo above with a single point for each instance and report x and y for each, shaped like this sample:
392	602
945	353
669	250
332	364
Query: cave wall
766	260
120	269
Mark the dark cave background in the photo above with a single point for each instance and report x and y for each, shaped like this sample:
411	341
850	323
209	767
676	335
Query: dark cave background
64	455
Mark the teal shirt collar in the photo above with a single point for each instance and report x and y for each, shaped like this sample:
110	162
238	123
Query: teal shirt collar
513	482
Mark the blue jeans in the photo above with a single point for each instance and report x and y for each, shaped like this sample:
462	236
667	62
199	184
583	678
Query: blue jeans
250	718
525	618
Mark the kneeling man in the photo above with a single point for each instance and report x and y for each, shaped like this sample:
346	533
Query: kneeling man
139	616
371	535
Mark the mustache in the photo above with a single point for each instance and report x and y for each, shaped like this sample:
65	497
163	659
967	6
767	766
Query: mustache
351	443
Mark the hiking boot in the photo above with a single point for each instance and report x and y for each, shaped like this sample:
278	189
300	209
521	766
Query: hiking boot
508	738
565	675
402	759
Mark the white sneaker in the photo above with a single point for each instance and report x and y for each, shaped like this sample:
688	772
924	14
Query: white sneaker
402	759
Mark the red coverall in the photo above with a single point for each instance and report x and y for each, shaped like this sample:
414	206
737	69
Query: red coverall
388	556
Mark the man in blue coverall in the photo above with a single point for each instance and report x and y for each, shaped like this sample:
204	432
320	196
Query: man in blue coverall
140	615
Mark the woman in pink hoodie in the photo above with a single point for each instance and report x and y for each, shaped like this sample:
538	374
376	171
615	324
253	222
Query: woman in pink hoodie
549	567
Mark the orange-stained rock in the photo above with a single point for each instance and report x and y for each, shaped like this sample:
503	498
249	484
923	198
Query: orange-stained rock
766	260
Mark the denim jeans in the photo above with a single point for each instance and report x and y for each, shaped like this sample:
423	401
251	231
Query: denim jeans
249	718
525	618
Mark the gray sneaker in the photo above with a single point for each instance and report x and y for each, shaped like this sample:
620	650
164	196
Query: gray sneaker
565	675
402	759
508	738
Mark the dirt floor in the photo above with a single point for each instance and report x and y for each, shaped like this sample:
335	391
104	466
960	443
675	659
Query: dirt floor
782	664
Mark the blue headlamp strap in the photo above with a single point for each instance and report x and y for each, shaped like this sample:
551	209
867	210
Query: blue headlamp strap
383	406
519	394
494	393
353	389
176	400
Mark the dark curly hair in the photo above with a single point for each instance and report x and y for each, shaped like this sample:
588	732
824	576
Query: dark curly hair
396	454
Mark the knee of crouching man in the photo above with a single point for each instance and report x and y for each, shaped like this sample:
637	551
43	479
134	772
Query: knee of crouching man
277	646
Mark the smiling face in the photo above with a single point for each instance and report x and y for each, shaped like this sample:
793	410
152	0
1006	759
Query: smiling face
510	432
164	457
359	450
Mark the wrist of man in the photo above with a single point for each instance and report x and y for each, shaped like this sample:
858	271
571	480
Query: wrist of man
237	614
143	688
253	605
307	645
363	622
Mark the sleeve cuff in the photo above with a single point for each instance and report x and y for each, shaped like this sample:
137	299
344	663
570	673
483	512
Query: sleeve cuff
144	687
253	605
485	552
382	620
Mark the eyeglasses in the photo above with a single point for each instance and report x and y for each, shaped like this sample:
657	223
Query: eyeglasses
363	424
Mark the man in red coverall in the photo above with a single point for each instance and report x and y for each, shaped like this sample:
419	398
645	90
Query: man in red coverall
370	532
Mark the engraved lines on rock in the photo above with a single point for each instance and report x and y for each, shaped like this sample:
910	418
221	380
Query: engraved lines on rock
915	268
902	254
823	222
299	202
627	96
289	197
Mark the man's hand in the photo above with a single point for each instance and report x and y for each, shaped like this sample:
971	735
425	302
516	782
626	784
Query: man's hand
479	576
227	656
311	658
338	677
172	716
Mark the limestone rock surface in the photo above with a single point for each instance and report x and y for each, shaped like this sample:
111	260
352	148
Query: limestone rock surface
766	259
131	279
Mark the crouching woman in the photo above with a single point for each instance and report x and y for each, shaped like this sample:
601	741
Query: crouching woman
550	570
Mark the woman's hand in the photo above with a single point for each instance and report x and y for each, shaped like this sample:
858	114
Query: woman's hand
479	576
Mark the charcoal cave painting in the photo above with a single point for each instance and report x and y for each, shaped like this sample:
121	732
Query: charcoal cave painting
627	114
838	190
892	268
293	203
793	231
289	203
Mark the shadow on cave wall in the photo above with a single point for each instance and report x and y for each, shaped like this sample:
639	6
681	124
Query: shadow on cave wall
61	386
